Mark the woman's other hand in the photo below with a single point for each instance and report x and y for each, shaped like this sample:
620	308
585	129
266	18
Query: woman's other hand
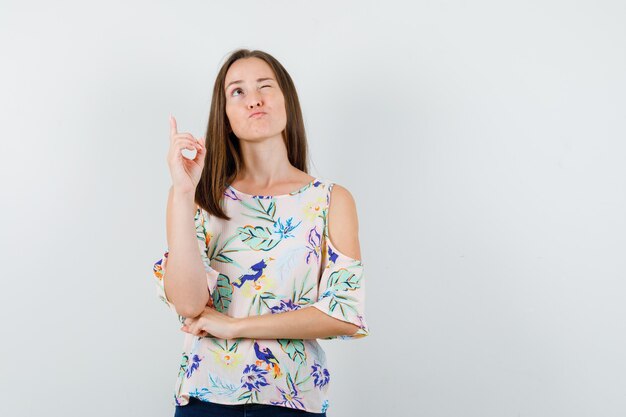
211	323
185	172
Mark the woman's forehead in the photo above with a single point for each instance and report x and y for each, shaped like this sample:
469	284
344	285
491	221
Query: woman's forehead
248	68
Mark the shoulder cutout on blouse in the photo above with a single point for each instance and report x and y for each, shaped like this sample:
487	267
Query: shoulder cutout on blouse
345	225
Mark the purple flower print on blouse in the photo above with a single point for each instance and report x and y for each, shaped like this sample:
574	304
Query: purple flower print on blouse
290	396
320	375
231	194
253	378
195	363
332	255
284	306
315	240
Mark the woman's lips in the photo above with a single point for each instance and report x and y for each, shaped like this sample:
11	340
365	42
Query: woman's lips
257	114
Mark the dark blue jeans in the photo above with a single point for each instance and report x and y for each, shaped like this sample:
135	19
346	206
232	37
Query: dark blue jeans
198	408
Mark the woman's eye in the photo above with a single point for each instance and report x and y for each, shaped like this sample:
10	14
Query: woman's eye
239	89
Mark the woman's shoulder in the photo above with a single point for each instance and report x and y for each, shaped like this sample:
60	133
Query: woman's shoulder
341	197
343	222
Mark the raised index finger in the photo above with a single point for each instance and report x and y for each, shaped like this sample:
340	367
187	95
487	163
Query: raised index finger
173	127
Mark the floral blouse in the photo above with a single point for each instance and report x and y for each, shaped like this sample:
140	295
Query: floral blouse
274	255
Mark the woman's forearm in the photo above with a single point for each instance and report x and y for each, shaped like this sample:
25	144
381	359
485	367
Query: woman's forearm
184	278
304	323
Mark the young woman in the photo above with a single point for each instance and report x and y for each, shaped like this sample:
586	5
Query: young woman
255	269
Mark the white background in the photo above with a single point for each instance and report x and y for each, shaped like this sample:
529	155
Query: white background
484	145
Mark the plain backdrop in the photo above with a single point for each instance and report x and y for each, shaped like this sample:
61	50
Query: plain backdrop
483	141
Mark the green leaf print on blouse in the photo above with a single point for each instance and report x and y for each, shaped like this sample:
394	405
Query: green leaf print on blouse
211	245
266	238
223	293
217	387
343	280
260	210
340	281
260	300
294	348
221	254
220	387
182	368
258	237
300	298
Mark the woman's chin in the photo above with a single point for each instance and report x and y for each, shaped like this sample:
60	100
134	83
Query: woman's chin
260	135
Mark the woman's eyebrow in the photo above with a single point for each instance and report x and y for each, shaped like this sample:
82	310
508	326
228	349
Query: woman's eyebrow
239	81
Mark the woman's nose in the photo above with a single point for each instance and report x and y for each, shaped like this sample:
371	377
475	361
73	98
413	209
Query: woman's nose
254	100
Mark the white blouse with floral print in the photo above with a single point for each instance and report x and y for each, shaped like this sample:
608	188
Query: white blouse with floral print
274	255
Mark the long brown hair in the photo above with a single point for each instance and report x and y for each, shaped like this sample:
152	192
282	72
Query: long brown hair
223	159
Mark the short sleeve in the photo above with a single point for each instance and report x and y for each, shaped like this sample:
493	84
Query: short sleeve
160	266
341	288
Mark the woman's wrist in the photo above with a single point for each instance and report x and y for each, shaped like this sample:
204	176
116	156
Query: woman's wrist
183	194
239	327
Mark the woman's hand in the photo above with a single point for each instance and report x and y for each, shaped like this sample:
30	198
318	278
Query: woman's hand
211	323
185	172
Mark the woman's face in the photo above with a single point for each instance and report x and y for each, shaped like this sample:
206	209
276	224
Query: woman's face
251	87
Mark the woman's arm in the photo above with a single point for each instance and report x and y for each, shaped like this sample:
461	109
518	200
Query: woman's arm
305	323
184	280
